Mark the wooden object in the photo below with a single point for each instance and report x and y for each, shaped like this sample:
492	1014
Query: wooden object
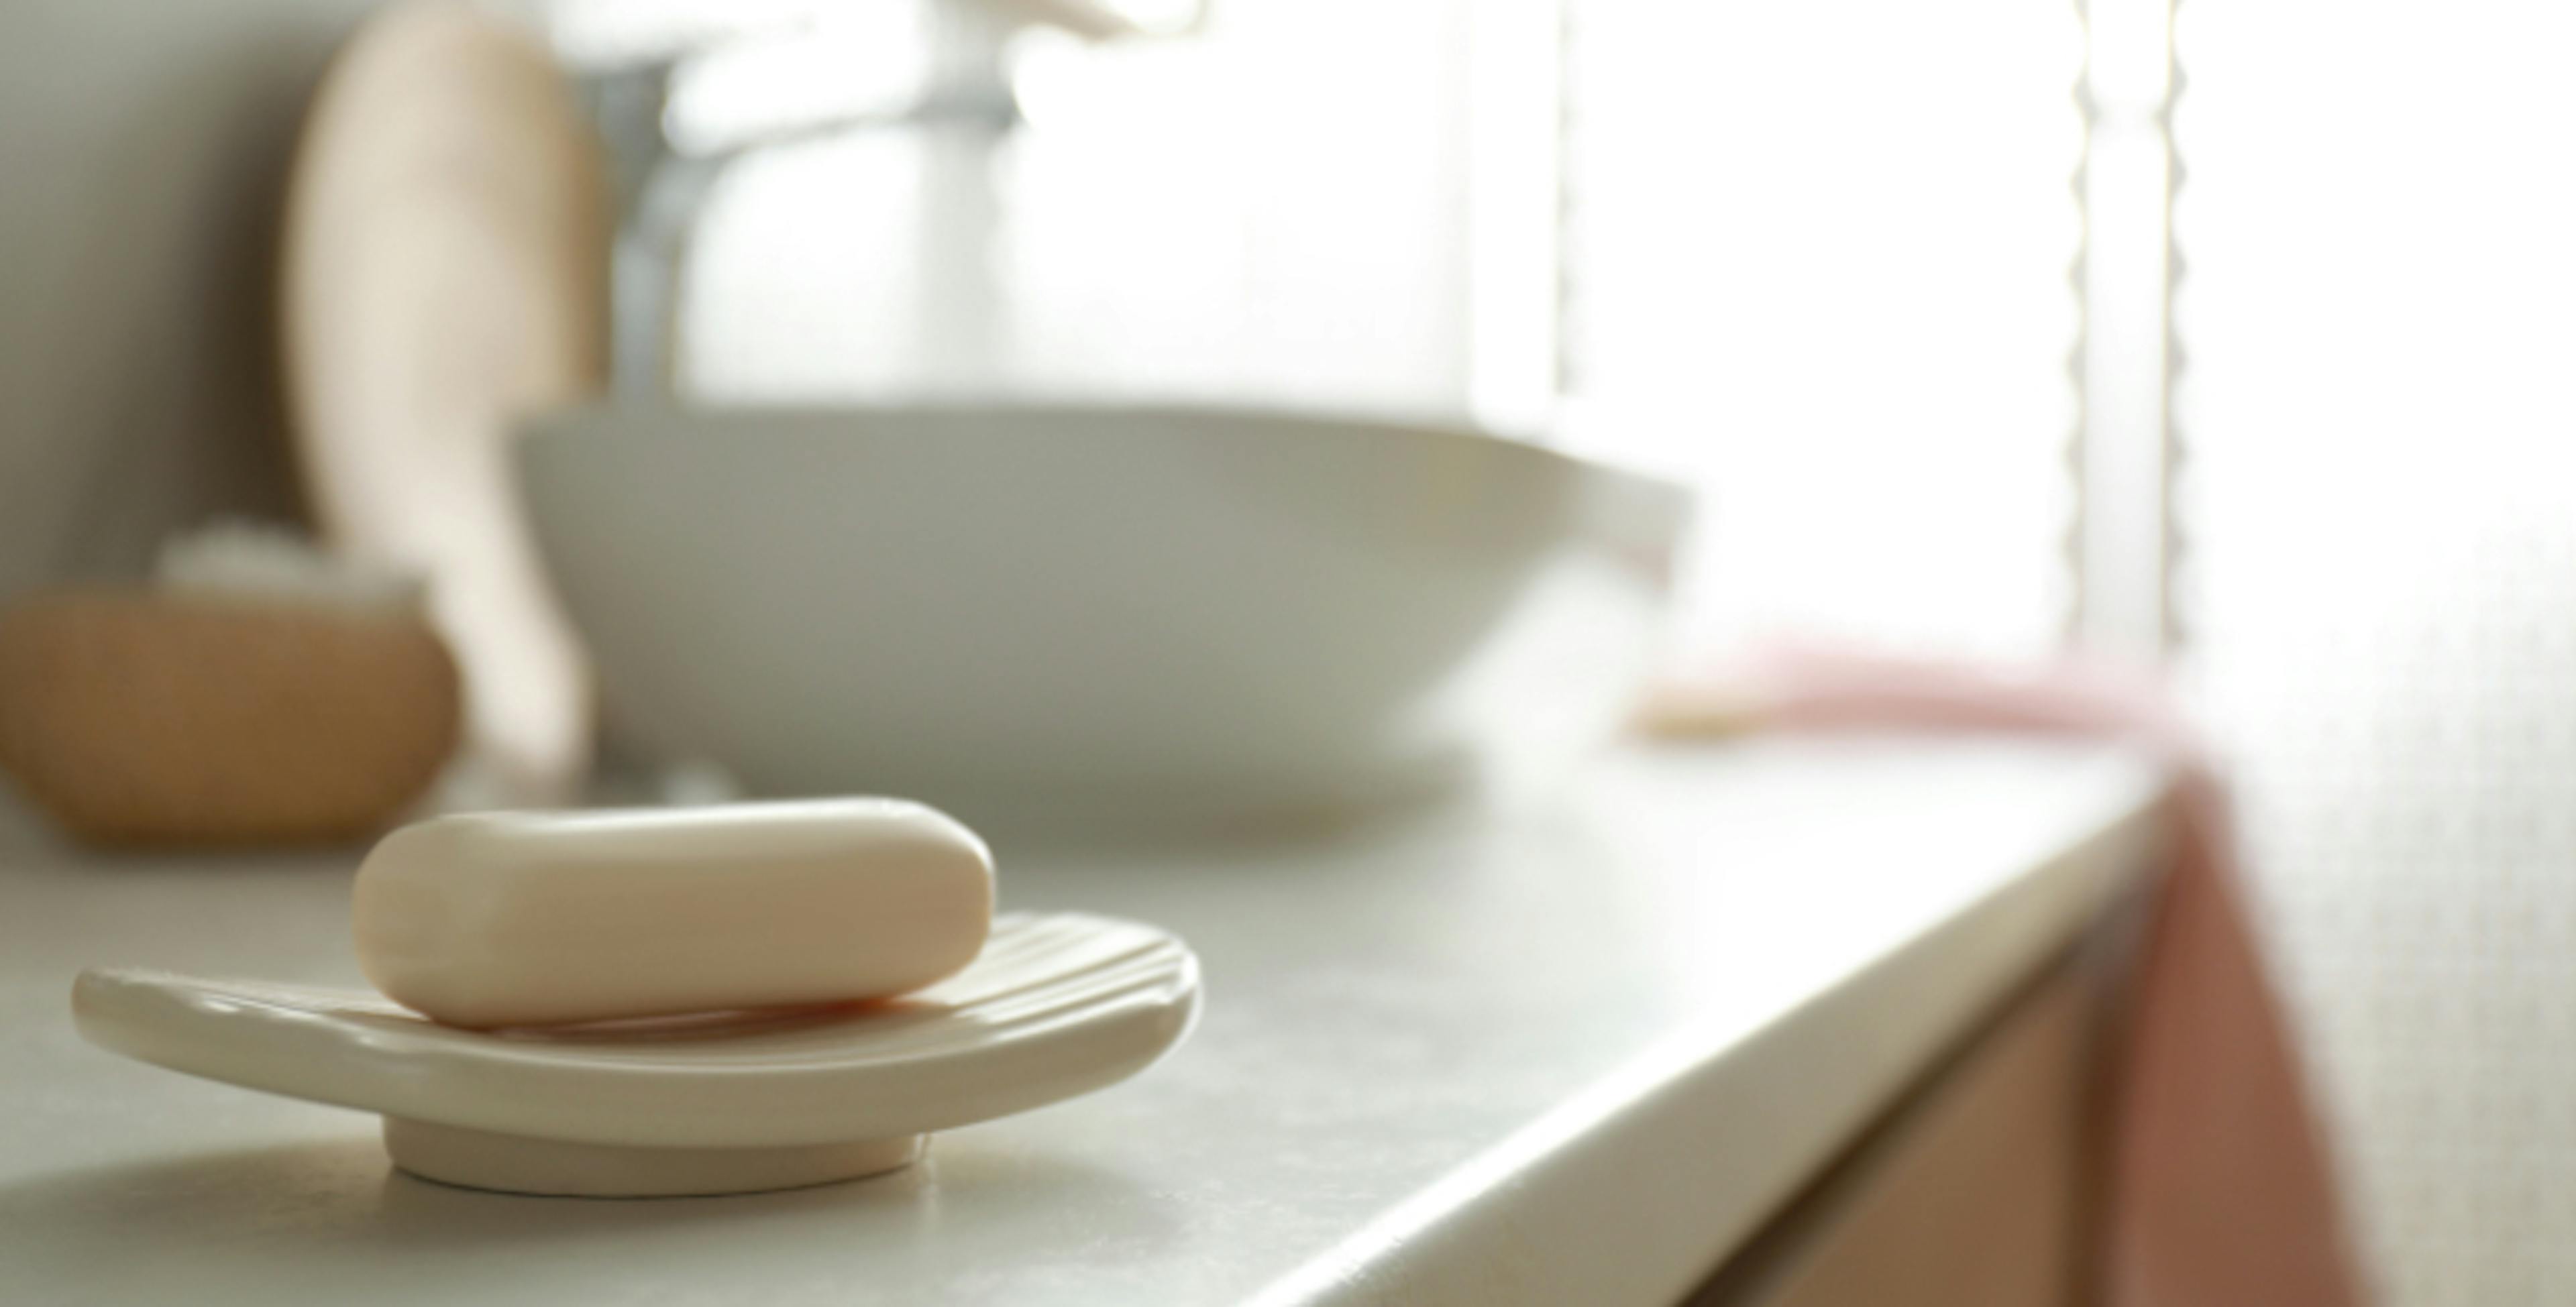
1977	1193
140	718
445	270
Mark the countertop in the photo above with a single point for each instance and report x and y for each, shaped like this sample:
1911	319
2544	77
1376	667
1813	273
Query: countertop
1573	1051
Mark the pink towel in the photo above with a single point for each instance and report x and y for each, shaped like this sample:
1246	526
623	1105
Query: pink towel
2221	1190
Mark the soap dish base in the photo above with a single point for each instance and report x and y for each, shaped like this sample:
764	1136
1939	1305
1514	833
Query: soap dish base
521	1164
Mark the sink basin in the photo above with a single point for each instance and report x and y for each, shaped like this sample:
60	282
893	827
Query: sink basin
1095	615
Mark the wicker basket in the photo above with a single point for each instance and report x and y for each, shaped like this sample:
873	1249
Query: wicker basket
143	717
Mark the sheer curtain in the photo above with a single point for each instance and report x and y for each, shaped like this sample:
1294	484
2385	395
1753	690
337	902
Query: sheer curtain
1820	261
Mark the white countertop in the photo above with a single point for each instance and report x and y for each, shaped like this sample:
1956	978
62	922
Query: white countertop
1573	1053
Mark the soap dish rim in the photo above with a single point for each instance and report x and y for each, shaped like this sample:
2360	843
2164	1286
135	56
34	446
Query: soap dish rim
374	1057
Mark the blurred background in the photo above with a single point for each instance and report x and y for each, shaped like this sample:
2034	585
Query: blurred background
2232	335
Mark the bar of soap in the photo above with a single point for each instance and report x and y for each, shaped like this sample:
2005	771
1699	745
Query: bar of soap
523	919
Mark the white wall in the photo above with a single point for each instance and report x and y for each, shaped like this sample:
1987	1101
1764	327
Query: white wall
2377	318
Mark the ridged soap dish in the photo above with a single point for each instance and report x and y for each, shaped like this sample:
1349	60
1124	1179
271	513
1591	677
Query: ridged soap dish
1056	1005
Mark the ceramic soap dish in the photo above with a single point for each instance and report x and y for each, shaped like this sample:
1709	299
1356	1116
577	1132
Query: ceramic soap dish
1056	1005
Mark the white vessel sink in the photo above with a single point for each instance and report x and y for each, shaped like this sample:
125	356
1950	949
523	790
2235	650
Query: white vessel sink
1096	615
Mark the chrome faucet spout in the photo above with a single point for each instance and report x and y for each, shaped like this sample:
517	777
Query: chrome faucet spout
662	184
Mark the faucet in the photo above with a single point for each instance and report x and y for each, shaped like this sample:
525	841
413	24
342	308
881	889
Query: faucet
663	173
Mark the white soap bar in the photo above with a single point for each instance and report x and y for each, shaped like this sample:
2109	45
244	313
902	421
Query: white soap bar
508	919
